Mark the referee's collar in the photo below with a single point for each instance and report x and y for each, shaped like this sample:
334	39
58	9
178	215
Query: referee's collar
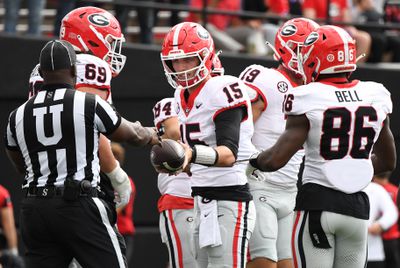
55	86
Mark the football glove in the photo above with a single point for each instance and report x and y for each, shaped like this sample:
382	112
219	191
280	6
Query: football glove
121	184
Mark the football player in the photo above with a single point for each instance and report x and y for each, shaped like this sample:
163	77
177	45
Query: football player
175	204
216	126
274	193
96	36
344	126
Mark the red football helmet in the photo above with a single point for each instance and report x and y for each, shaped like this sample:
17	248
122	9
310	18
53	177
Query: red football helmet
328	50
217	68
184	40
289	40
96	31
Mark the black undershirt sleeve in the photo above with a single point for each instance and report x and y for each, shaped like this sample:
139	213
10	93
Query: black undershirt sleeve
227	128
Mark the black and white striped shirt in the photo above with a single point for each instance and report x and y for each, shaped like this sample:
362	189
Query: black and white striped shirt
57	132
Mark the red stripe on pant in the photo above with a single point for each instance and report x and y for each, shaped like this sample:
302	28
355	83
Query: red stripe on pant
236	236
177	240
296	223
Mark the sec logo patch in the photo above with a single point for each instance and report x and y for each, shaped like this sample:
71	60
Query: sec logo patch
282	86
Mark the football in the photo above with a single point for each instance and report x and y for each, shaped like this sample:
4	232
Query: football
168	155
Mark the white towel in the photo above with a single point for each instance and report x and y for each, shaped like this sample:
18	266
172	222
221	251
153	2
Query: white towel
209	233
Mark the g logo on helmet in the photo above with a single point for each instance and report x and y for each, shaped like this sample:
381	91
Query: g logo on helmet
311	39
202	33
289	30
99	20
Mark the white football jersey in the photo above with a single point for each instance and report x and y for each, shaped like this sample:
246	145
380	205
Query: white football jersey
196	117
173	185
91	72
345	121
273	87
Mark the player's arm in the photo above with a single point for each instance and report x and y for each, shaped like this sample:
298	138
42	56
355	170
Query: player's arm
134	133
384	153
166	119
257	98
102	93
227	131
291	140
117	176
8	225
171	128
257	108
107	160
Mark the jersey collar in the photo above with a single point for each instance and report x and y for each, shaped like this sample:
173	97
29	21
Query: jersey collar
187	106
55	86
292	83
339	82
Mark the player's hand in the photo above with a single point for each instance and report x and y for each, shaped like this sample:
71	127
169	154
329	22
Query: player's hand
188	158
155	138
256	174
123	193
121	185
250	170
253	172
375	229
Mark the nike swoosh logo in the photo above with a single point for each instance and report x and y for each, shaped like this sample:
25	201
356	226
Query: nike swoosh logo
220	215
206	215
198	105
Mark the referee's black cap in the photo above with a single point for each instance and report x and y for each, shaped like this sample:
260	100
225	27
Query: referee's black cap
57	55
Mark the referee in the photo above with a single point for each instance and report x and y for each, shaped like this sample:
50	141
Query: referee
53	139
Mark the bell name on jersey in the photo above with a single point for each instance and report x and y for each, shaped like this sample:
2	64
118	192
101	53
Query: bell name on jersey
347	96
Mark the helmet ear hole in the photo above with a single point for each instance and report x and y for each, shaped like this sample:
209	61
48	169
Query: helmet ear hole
93	44
314	74
169	64
311	65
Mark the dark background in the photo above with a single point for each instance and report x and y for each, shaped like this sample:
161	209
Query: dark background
140	85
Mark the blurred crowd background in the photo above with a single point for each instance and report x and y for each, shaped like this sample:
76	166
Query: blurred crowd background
240	26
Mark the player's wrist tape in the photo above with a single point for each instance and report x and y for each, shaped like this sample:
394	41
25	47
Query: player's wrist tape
204	155
14	251
117	175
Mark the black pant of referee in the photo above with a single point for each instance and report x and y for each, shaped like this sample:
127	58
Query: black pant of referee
55	231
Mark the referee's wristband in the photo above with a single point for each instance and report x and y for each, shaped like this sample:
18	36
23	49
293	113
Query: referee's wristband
204	155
